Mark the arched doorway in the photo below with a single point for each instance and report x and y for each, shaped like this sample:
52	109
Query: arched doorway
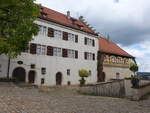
19	74
31	77
58	78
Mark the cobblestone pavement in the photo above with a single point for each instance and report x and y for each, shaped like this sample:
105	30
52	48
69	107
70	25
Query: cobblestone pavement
14	99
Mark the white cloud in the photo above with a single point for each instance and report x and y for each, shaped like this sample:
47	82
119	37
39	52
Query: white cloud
142	54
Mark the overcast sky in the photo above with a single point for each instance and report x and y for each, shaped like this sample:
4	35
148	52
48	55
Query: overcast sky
126	22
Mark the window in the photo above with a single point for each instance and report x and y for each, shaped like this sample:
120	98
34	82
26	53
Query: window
118	60
90	42
71	37
58	34
43	30
42	80
71	53
68	71
43	50
43	70
113	59
106	59
38	49
89	56
125	61
32	66
90	73
57	52
117	75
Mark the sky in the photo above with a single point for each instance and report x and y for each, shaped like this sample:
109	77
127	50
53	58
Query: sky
125	21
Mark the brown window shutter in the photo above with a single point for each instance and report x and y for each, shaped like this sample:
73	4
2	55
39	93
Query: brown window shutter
93	43
76	54
93	56
64	52
65	36
76	38
85	41
49	50
33	48
85	55
50	32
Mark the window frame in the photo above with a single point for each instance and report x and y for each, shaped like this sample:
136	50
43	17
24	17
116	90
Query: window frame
58	34
57	51
68	72
43	70
43	30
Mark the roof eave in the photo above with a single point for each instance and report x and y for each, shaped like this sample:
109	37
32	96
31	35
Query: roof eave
116	54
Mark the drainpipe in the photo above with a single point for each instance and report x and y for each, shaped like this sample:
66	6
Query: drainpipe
8	68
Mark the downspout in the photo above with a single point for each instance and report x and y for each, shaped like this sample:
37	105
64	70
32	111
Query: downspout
8	68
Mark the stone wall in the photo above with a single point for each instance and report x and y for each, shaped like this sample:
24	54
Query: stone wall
112	89
140	92
137	93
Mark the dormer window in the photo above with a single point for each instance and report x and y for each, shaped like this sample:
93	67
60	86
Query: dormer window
74	21
81	28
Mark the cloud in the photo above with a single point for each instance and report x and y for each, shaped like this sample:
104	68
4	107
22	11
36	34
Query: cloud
142	53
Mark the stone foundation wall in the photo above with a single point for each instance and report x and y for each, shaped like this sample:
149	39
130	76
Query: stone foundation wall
112	89
137	93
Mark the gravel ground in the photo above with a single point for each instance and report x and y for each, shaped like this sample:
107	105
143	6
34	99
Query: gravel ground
14	99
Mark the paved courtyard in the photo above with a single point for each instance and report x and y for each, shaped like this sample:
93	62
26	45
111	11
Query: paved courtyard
14	99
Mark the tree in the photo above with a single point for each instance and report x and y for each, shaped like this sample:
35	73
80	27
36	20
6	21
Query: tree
134	80
133	67
83	73
17	25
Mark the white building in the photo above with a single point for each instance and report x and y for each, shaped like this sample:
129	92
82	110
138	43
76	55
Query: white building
63	46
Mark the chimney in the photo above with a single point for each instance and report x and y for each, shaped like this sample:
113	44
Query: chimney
81	18
68	15
108	38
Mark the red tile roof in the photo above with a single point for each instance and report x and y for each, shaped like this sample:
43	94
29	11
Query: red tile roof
107	46
56	17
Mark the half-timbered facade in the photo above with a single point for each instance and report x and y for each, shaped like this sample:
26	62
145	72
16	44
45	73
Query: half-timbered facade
113	62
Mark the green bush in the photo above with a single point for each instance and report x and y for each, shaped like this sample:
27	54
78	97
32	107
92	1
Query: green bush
83	73
134	67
